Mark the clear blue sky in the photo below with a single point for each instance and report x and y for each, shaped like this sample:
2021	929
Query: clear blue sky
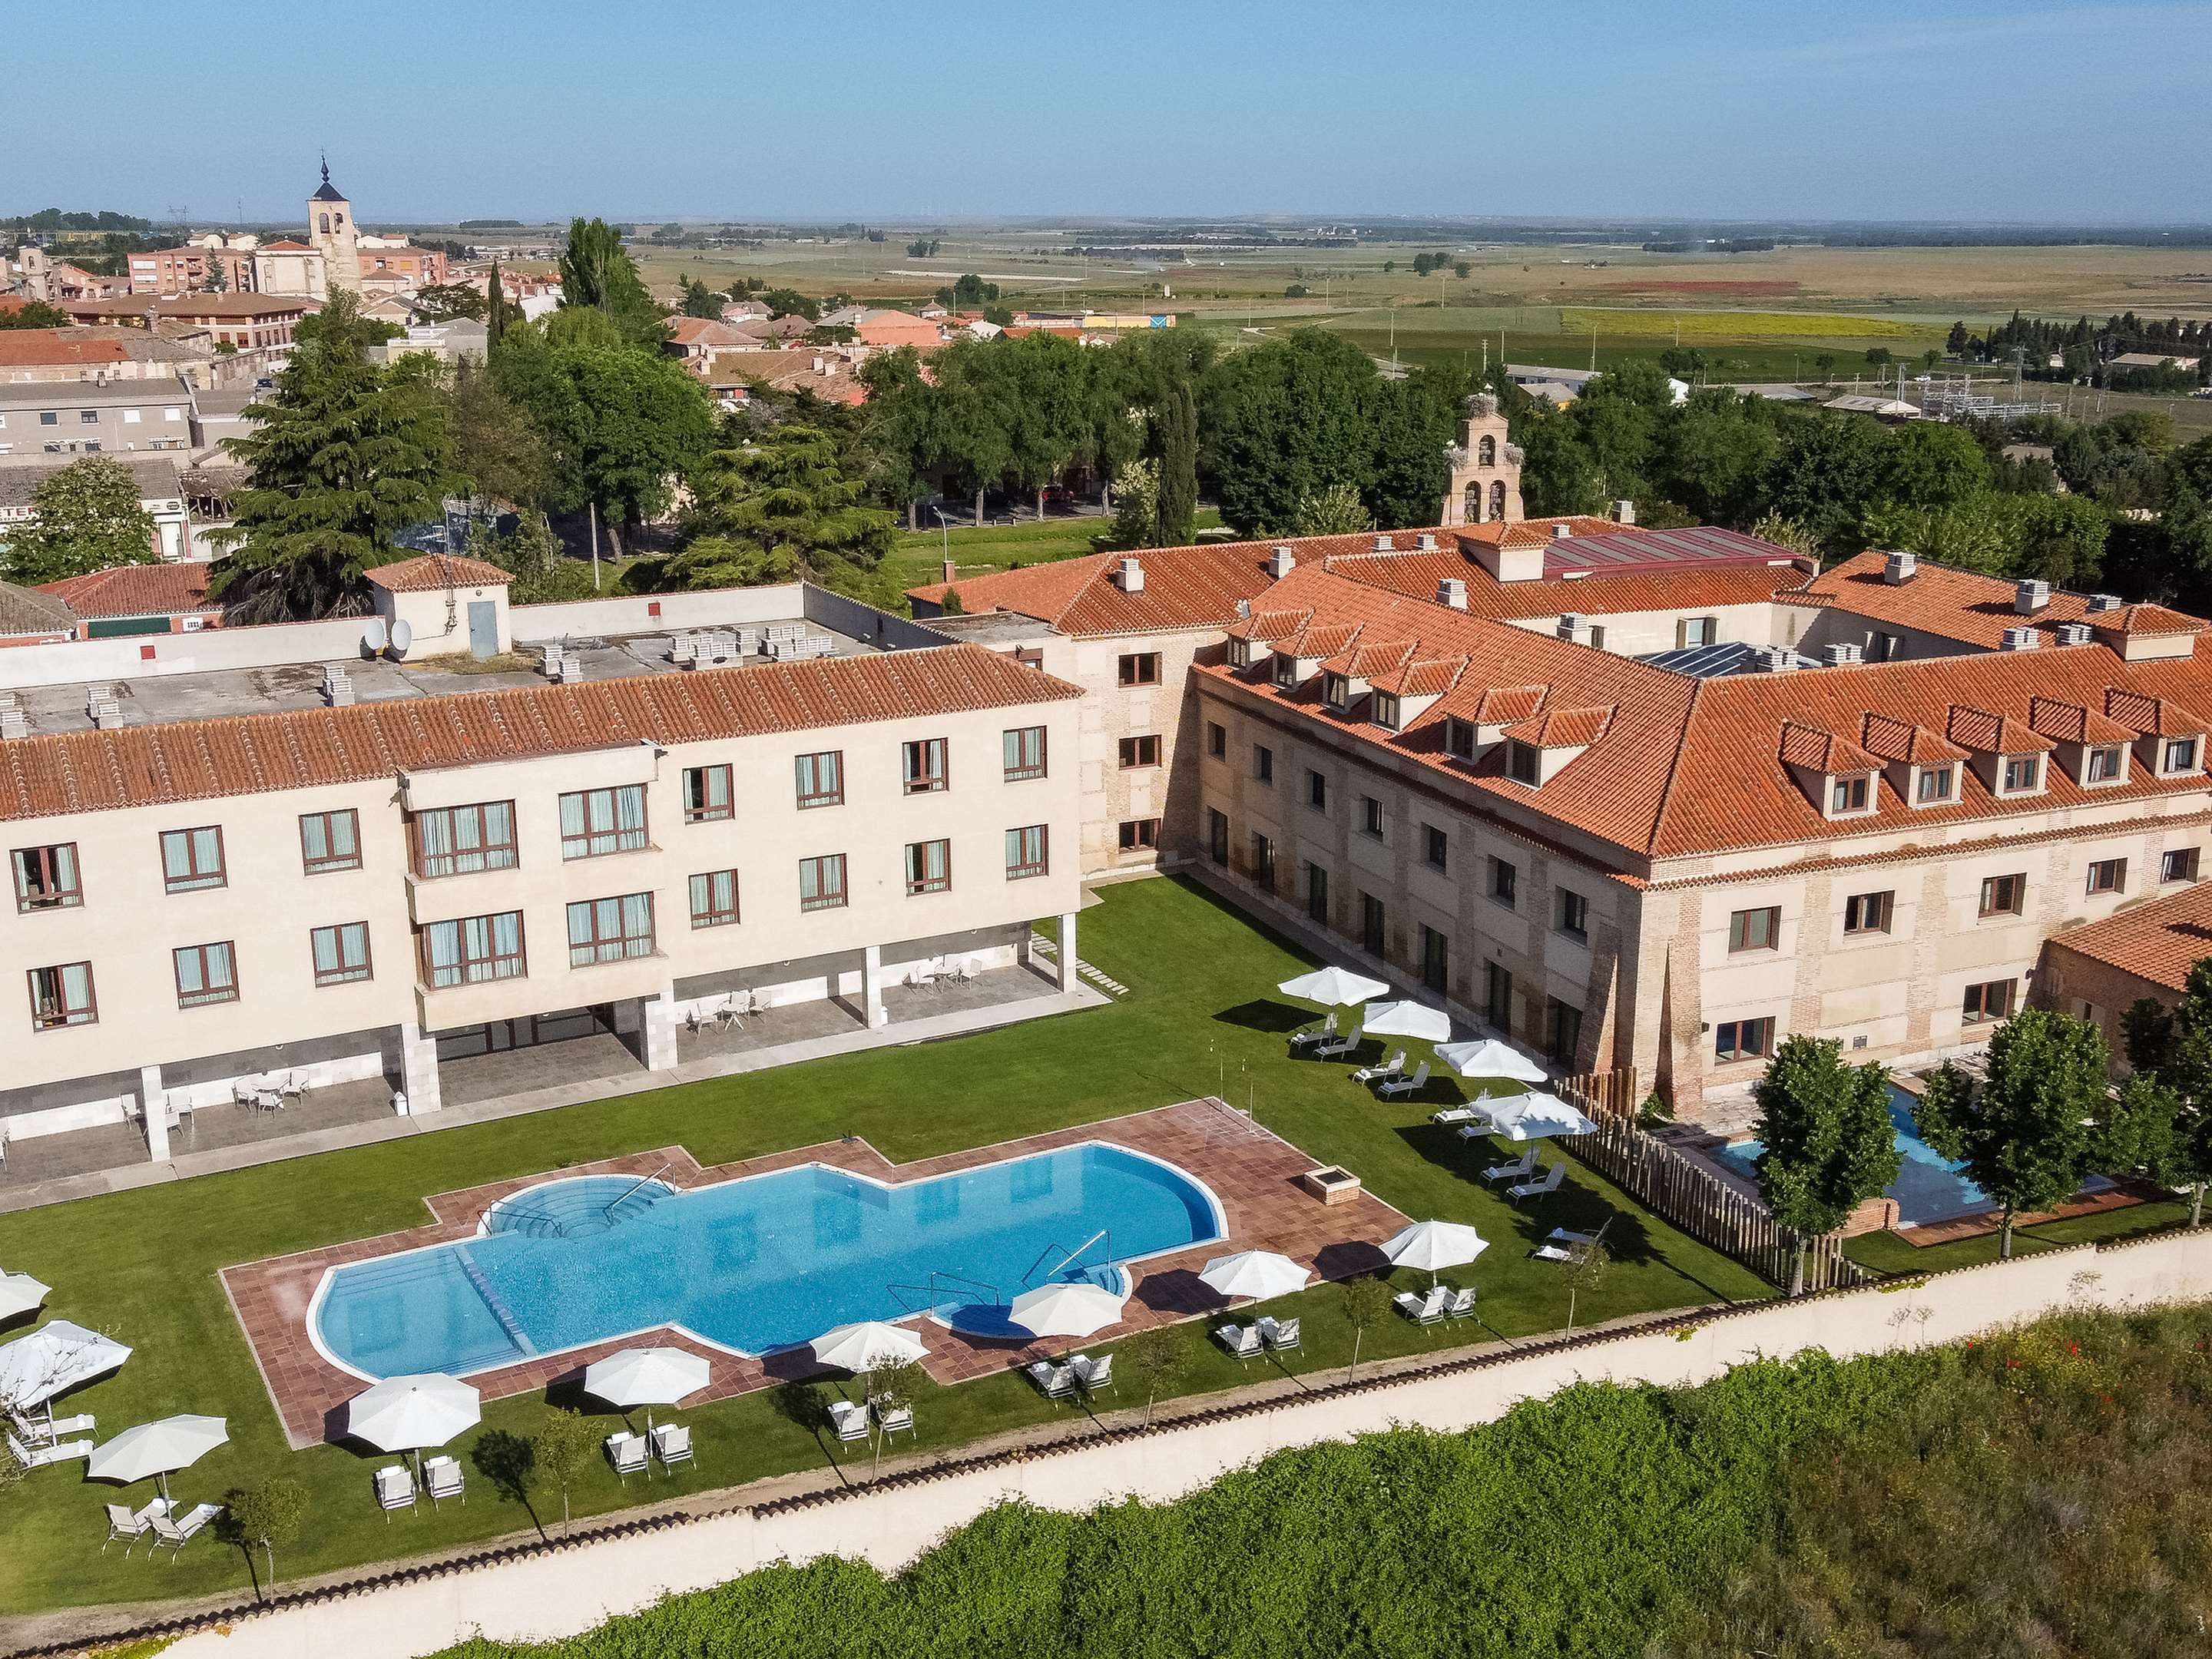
1969	109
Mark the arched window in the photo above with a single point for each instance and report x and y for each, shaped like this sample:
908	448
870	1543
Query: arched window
1473	512
323	223
1486	452
1498	499
340	222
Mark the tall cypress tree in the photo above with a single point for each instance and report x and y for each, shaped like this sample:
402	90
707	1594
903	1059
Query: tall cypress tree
1178	498
494	310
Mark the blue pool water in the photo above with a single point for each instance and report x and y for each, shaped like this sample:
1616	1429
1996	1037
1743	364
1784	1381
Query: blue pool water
752	1265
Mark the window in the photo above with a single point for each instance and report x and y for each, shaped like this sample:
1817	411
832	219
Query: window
714	899
1263	860
923	765
1992	1000
2106	764
2108	876
49	418
329	841
1505	882
62	996
1138	833
1755	930
1883	647
341	953
1497	996
473	950
1023	752
1520	762
821	883
1436	959
1217	834
2177	864
596	822
609	929
1697	630
1848	795
928	866
1571	915
1025	852
2179	754
1564	1035
706	794
205	974
1316	792
1216	740
2002	895
462	841
1386	711
46	878
1263	763
131	417
192	858
1436	846
1371	816
1744	1039
1286	671
1459	739
1317	893
1934	784
822	779
87	417
1141	668
2022	773
1867	913
1372	938
1140	752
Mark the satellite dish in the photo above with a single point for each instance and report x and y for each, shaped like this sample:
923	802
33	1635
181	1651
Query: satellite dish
372	641
402	637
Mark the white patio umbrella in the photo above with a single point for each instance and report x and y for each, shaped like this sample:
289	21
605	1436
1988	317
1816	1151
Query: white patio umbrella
1074	1310
53	1359
20	1294
1434	1245
1262	1275
155	1448
864	1346
1334	987
1534	1116
1406	1019
406	1413
646	1376
1491	1058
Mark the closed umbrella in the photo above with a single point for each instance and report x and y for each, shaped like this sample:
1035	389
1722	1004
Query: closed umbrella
1434	1245
1534	1116
1074	1309
1333	988
1261	1274
20	1294
53	1359
1406	1019
645	1376
1491	1058
864	1346
406	1413
155	1448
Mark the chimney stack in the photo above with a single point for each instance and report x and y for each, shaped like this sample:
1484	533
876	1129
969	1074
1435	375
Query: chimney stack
2031	596
1129	575
1900	569
1624	512
1281	561
1451	593
1561	532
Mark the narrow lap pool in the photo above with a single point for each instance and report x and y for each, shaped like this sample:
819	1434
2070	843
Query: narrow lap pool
751	1265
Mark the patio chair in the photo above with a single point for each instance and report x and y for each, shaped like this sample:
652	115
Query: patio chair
848	1420
59	1451
1280	1333
1055	1383
174	1536
1389	1071
1321	1033
1460	1305
626	1451
290	1085
1457	1114
1548	1182
1339	1045
1093	1375
1407	1086
443	1477
896	1419
121	1523
921	977
672	1444
395	1489
1519	1169
1424	1310
1242	1341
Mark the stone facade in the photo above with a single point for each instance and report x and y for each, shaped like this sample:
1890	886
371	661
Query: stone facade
1485	468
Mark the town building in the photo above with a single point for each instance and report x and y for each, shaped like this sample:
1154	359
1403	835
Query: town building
140	598
161	495
101	353
332	233
54	422
261	323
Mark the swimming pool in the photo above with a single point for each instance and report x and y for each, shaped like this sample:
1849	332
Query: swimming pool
754	1264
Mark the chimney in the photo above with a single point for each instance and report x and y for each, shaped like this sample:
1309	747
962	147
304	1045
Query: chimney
948	570
2020	639
1425	541
1451	592
1838	655
1129	576
2073	633
1281	561
1384	544
1624	512
2101	602
1570	626
1900	569
2031	596
1243	610
1776	658
1561	532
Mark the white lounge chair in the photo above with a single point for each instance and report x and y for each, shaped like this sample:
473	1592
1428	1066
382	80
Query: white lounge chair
1278	1334
1092	1376
44	1432
891	1419
626	1451
1457	1115
37	1457
395	1489
1547	1182
1519	1169
1407	1086
443	1475
849	1420
121	1523
1423	1310
1054	1382
1339	1045
1242	1341
1460	1305
174	1536
1572	1247
1321	1033
672	1444
1388	1071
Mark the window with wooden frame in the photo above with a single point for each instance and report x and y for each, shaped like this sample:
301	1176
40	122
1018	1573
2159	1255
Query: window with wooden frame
714	899
340	953
1316	791
1263	859
205	974
1217	740
1755	930
1744	1039
2107	876
1140	668
1140	834
2023	774
1263	763
1024	755
821	883
2002	895
2178	863
62	996
1217	834
46	878
1140	752
192	859
820	779
464	840
707	798
609	929
473	950
2107	763
1868	913
1371	816
1990	1000
1522	764
1935	784
1026	852
2178	754
595	823
1317	893
1571	916
1849	795
329	841
922	765
1505	882
928	866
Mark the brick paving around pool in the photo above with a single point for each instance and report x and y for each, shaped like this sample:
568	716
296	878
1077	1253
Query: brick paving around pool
1253	1173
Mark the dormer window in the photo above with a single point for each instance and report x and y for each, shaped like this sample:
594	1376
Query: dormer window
2023	774
1937	784
1386	711
1240	654
1286	671
1336	690
1847	795
1459	739
2178	754
2106	763
1520	764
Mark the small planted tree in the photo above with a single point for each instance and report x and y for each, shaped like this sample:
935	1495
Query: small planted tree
2028	1135
562	1448
891	1388
2166	1124
1829	1143
1157	1357
1365	1300
266	1514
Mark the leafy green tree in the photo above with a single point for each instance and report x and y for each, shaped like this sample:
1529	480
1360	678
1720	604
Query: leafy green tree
1335	511
562	1449
269	1513
699	299
1046	394
340	326
969	293
442	301
1289	418
1158	1356
1176	501
1828	1141
1829	468
1713	452
2025	1135
85	517
1558	475
2172	1132
790	303
972	436
35	313
597	272
1933	464
1416	421
533	556
1364	1300
218	282
899	421
499	310
1137	504
497	449
776	509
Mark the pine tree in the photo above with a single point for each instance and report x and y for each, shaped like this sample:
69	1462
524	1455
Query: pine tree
775	510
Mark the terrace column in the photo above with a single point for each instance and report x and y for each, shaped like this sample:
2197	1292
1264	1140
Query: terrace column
154	1103
658	1020
418	1069
1066	975
871	986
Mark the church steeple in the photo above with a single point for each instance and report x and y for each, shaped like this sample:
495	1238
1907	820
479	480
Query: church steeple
330	228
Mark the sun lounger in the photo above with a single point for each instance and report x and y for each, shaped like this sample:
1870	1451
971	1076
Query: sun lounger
626	1451
1547	1182
672	1444
1407	1086
1460	1305
1388	1071
1278	1334
443	1477
1054	1382
395	1489
41	1431
1341	1045
1422	1309
174	1536
1242	1341
37	1457
1519	1169
1457	1115
891	1419
1321	1033
1561	1245
1092	1376
121	1523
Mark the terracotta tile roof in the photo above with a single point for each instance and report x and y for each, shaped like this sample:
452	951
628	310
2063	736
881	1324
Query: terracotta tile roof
1563	728
1514	702
1822	752
49	347
2153	717
34	611
1417	574
2158	941
1901	740
137	589
436	570
1431	678
2069	722
246	754
1987	734
1364	662
2144	619
1264	627
1953	604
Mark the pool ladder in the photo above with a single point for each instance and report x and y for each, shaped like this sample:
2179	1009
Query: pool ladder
608	1209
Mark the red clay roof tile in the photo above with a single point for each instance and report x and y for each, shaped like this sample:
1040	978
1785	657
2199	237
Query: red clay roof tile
436	570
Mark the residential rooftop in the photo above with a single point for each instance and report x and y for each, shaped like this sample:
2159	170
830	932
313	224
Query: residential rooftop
2158	941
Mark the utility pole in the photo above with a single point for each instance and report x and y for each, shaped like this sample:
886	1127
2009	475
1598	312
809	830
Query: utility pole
594	507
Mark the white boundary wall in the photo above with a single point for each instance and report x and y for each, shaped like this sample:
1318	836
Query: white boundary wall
561	1592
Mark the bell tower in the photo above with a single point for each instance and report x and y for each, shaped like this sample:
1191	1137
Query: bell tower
330	230
1486	469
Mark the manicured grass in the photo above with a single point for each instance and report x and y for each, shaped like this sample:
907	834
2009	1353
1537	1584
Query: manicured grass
1888	1254
1202	1018
918	556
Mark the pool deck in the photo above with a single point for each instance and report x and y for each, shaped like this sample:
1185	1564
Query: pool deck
1253	1172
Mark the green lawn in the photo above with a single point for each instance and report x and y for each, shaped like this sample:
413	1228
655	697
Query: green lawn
1202	1018
918	556
1888	1254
